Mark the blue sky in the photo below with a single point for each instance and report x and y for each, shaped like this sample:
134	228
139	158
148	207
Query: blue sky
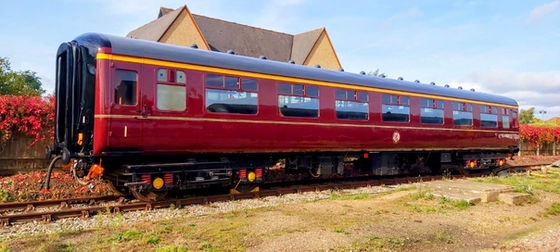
506	47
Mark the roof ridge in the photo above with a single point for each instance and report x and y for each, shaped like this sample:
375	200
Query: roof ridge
284	33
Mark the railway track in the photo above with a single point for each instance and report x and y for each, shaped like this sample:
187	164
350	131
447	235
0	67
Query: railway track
52	210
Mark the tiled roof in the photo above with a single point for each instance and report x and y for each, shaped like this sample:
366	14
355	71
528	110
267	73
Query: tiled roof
154	30
303	44
242	39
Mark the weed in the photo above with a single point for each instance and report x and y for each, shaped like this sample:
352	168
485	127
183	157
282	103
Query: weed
422	194
65	247
380	244
172	248
524	188
126	235
405	188
554	209
358	196
460	204
442	236
339	230
153	240
205	245
5	195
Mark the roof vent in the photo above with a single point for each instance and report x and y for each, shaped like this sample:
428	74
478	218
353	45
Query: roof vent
472	89
432	83
262	57
417	81
460	88
341	69
400	78
194	46
318	66
291	62
362	73
230	51
446	85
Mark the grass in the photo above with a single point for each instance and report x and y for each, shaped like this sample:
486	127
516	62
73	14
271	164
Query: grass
528	184
363	220
424	201
359	196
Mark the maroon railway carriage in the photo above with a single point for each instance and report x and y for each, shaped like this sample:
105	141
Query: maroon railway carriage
156	117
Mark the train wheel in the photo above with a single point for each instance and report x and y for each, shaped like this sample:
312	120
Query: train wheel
148	196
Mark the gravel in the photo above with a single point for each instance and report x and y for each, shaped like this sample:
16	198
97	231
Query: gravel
101	221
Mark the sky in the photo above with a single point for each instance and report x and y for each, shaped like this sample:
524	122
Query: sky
504	47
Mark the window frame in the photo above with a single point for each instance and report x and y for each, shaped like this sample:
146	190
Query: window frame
351	99
462	108
170	80
486	112
401	101
118	82
287	92
433	105
226	106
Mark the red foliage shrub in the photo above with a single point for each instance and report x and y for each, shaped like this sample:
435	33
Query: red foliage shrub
30	116
539	134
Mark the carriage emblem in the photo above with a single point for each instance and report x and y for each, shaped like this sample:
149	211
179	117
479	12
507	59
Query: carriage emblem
396	137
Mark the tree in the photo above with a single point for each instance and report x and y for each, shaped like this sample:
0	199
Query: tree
25	83
375	73
527	116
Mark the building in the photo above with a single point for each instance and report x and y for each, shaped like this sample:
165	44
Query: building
181	27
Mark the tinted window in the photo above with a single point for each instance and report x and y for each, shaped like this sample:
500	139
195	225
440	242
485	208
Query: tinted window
214	80
298	106
352	110
505	122
395	108
249	84
125	88
351	104
488	120
229	101
462	114
228	95
431	111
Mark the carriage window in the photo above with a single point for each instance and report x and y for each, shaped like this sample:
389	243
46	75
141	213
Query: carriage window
171	97
162	75
462	114
431	111
125	87
249	84
505	122
181	78
488	116
514	119
351	104
226	94
298	100
395	108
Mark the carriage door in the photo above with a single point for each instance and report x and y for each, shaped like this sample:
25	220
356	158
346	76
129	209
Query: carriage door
127	111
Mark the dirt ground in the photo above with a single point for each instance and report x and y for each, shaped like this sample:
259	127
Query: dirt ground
399	219
404	218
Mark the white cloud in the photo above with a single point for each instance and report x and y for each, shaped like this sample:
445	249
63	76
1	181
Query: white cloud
543	10
531	89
